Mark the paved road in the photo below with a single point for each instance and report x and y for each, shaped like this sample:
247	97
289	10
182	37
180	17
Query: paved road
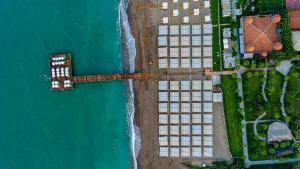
255	127
282	99
263	121
270	162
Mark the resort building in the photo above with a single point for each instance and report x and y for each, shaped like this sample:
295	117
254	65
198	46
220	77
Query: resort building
296	40
260	34
295	19
293	7
226	8
229	60
292	4
279	131
226	39
284	151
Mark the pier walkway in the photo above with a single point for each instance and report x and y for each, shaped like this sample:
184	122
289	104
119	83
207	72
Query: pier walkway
124	76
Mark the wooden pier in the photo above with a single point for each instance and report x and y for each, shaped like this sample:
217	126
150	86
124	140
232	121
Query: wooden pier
124	76
62	78
97	78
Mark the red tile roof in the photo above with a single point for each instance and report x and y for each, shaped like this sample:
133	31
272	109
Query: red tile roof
292	4
295	19
260	33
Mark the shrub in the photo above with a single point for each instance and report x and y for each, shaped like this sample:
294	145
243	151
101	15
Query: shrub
287	119
276	115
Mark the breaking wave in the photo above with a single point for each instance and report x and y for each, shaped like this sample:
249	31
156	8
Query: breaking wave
129	54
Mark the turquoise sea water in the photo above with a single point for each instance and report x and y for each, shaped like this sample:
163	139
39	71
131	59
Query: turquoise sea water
85	128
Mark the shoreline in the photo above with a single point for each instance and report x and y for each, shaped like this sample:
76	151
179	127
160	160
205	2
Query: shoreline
145	102
129	54
132	4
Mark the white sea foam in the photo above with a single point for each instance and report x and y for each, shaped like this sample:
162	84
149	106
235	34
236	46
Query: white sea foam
129	54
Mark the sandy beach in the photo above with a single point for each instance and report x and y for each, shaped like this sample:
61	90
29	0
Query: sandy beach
145	96
143	19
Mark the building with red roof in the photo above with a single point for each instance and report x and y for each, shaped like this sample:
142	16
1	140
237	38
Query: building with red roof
294	13
261	34
295	19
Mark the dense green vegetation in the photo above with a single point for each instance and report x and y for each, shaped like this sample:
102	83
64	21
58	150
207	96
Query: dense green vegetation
261	150
254	103
262	129
216	50
273	92
242	3
256	62
215	12
258	150
237	164
215	9
269	5
247	8
233	117
292	100
225	20
286	33
286	39
288	51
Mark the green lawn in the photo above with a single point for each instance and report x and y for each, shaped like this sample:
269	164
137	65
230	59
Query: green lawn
215	11
273	5
216	50
293	94
254	103
216	35
273	91
233	118
292	101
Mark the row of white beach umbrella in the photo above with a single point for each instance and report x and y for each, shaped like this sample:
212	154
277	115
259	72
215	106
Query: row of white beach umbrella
56	84
60	72
58	63
58	58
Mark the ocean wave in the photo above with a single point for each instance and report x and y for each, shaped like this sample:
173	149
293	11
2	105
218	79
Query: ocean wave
129	54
